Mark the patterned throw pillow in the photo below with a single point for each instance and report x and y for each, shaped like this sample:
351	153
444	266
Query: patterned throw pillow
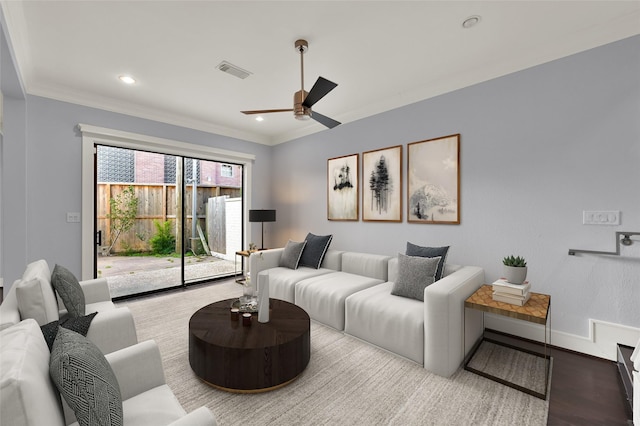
414	250
291	255
314	251
79	325
415	273
68	287
85	380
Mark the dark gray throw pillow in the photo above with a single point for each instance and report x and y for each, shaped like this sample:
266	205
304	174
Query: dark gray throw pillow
415	273
85	380
68	287
291	255
78	324
314	251
415	250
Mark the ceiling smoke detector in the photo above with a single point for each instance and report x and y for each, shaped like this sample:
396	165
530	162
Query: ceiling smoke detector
234	70
471	21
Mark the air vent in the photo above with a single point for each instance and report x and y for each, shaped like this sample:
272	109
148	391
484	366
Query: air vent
225	66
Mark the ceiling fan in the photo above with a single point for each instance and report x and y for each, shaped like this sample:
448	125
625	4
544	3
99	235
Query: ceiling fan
302	100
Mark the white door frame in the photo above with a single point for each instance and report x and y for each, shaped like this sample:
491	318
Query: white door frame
92	136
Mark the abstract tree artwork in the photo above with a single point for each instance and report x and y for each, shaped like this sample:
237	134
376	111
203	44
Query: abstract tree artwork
342	188
382	185
434	181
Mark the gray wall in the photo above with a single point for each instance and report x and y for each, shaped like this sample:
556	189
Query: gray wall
537	148
13	224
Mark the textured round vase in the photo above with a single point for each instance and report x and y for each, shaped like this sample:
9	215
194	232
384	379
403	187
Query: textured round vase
515	274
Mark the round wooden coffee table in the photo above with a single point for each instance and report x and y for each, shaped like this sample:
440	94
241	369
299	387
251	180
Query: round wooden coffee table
255	358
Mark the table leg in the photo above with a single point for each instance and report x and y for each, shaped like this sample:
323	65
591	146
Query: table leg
546	355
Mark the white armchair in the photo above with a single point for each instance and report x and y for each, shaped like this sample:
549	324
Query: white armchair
28	396
143	387
111	329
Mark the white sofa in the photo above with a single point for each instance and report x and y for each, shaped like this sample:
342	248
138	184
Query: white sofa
430	333
323	297
352	293
29	398
285	279
111	329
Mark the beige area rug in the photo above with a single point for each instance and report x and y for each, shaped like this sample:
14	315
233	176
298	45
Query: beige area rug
347	382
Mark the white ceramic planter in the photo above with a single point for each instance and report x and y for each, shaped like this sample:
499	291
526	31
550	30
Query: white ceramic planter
515	274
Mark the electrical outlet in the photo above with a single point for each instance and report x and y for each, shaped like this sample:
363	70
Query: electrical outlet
73	217
601	217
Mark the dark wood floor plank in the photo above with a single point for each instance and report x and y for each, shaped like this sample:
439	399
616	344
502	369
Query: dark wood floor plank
585	390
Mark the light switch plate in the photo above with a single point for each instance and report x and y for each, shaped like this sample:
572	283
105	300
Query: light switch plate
598	217
73	217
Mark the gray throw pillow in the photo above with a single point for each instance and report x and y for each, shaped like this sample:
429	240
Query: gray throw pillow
291	255
85	380
414	275
314	251
68	287
414	250
78	324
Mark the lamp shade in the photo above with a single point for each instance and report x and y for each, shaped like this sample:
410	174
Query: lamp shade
262	215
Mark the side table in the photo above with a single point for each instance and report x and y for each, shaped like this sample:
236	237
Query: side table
243	254
536	310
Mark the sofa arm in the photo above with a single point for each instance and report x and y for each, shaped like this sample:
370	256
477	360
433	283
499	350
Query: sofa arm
112	330
96	290
200	417
264	259
444	348
9	314
138	368
636	399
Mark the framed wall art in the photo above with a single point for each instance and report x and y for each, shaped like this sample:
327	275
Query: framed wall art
382	185
342	188
433	175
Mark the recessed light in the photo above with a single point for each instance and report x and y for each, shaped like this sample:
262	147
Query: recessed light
259	118
127	79
471	21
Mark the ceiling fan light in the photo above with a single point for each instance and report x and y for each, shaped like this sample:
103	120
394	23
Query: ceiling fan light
302	117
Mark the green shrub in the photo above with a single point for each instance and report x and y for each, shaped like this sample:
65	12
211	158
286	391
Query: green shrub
163	242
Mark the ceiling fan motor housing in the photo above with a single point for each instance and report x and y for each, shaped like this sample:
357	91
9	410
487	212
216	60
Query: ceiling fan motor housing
300	112
301	45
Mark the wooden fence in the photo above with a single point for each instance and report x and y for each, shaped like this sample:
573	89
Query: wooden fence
156	202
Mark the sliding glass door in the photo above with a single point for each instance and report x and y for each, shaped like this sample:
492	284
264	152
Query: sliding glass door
165	221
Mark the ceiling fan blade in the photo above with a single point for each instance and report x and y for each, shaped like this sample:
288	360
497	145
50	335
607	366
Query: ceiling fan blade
266	111
321	87
323	119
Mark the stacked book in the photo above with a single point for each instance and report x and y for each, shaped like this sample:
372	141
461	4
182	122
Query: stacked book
516	294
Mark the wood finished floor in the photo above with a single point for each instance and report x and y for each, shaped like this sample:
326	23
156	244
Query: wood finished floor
584	390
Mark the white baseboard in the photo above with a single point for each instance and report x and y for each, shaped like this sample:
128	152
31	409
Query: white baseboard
601	342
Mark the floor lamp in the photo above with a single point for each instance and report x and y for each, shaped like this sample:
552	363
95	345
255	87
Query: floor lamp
262	216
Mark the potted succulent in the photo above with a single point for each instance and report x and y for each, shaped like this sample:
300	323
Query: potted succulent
515	269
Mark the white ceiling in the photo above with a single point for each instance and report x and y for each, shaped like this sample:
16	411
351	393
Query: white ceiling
382	54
